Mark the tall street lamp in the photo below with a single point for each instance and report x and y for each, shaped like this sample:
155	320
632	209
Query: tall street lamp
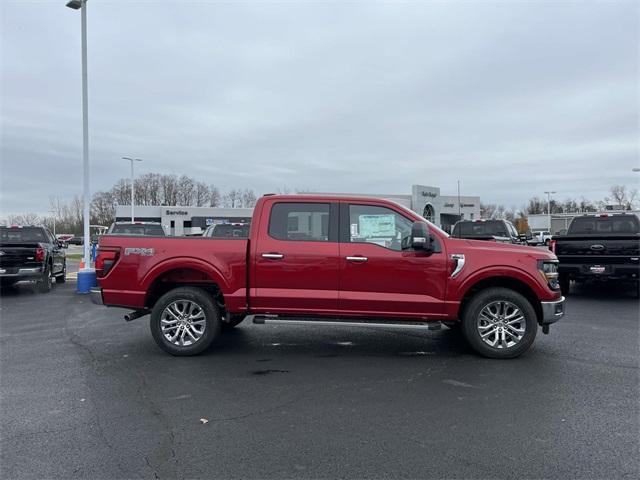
132	160
82	6
549	206
54	221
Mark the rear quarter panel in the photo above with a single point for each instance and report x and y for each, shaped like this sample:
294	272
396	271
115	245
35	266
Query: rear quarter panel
143	260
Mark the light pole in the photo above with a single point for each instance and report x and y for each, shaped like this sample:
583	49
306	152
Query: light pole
82	6
459	206
549	206
132	160
54	221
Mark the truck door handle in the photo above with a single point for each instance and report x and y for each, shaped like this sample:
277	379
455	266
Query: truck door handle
273	256
357	259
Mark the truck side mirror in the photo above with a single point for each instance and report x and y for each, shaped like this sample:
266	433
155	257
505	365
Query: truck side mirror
420	237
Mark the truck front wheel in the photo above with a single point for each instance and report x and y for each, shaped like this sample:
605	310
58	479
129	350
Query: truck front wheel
499	323
185	321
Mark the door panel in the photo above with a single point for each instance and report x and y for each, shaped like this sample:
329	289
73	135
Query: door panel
296	260
391	282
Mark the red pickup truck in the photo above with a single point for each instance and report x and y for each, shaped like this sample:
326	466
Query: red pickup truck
332	260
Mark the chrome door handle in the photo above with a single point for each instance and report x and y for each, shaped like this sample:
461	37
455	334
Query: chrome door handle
273	256
357	259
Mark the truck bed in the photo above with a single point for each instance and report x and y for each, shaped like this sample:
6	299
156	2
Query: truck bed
142	261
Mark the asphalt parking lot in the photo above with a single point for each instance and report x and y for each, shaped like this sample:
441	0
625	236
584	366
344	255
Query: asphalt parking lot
86	395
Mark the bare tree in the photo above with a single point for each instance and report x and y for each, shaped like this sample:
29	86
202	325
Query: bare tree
232	199
248	198
215	199
620	195
202	194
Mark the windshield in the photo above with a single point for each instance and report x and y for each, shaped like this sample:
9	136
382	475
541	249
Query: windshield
490	228
22	235
133	229
228	231
615	224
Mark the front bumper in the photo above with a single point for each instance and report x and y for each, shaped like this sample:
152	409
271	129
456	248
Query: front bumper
96	295
552	311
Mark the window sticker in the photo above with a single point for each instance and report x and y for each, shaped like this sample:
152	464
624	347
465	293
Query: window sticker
377	225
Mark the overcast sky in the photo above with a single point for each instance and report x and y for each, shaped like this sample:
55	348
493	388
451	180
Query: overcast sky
510	98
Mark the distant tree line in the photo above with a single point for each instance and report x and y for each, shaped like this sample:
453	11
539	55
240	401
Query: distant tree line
619	195
149	189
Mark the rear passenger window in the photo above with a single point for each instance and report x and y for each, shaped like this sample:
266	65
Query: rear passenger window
303	222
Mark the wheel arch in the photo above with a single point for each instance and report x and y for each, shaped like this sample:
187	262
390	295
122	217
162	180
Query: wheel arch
183	273
503	281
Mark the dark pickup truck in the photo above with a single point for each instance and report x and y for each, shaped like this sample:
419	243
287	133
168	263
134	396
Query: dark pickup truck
31	253
502	231
599	247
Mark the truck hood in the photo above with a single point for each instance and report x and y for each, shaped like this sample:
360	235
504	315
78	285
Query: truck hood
480	246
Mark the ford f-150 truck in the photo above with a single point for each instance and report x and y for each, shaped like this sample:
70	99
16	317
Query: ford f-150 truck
324	260
601	247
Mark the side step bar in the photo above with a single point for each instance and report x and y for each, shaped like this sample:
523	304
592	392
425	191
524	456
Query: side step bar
397	324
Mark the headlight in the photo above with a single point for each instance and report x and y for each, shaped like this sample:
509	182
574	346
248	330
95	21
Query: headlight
549	270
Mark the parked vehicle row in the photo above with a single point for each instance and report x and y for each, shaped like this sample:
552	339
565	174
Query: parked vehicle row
324	260
31	253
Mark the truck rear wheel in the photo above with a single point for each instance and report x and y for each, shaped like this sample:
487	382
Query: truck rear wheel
499	323
185	321
44	284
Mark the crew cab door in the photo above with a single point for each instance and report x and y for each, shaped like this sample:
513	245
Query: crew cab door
378	278
296	258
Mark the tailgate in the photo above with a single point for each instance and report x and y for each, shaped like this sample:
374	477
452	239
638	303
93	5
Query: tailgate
598	249
13	256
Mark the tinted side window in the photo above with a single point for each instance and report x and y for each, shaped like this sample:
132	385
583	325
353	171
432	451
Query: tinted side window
300	222
379	225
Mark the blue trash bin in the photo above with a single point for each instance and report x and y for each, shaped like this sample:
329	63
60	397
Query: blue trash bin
86	280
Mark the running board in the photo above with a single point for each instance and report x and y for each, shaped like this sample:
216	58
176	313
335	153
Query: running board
397	324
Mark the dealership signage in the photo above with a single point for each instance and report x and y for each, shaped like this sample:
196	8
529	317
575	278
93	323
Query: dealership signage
429	194
176	212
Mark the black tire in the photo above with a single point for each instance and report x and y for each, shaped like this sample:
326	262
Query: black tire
547	242
212	321
235	321
62	278
44	284
565	284
486	298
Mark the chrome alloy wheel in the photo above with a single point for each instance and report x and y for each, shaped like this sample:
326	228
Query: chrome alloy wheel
501	324
183	322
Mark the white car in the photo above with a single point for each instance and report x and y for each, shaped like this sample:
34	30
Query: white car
542	238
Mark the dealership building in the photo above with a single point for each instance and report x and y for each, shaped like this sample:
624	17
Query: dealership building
443	210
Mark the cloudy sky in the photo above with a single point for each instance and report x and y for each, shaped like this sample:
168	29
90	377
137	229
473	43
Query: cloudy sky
511	98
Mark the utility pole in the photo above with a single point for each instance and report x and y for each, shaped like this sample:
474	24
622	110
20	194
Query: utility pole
459	206
132	178
549	193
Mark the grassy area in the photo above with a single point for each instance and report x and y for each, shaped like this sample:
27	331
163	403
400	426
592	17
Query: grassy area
74	256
